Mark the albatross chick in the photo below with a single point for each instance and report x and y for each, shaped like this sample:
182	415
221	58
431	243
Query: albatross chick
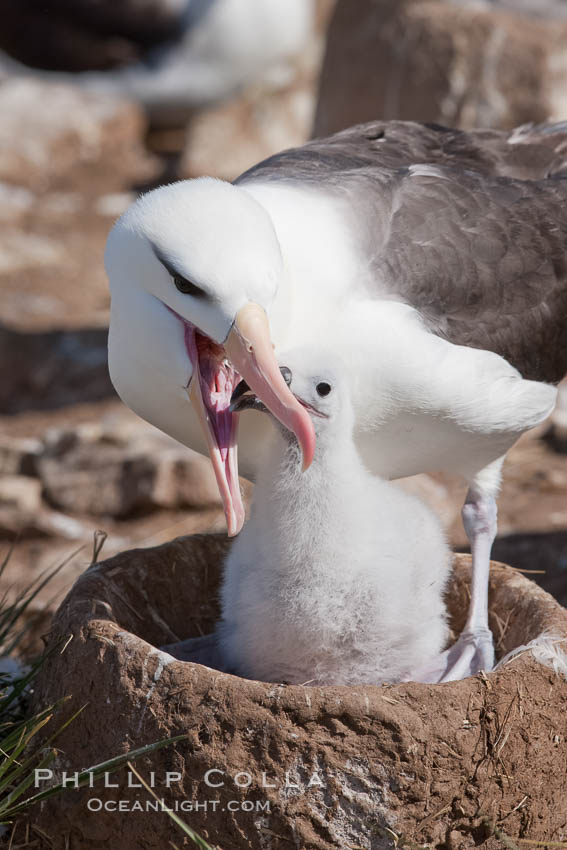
338	577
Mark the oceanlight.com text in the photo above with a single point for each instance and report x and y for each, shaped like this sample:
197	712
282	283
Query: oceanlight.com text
95	804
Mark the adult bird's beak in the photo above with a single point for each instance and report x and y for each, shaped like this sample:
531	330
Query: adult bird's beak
222	445
249	348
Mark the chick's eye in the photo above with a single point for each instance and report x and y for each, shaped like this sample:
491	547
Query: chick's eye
186	287
323	388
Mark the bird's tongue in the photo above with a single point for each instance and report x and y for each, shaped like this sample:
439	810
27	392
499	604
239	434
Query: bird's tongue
211	388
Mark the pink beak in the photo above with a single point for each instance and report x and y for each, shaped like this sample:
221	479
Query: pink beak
249	348
251	352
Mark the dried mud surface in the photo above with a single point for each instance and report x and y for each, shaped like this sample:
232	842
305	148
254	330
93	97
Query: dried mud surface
407	764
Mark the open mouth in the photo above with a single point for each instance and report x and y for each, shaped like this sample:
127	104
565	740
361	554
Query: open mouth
244	399
216	370
213	382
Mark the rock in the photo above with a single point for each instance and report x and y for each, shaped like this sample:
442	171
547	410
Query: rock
52	135
54	524
18	524
185	479
18	455
227	139
15	202
20	493
22	513
114	204
20	251
61	204
121	494
456	62
52	369
307	767
96	479
93	470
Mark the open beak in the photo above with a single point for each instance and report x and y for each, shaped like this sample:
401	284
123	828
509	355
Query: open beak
250	351
223	454
211	387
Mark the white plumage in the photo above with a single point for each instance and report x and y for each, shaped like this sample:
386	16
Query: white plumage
547	649
338	576
290	252
421	403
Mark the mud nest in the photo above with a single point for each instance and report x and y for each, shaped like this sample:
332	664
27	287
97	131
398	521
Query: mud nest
285	766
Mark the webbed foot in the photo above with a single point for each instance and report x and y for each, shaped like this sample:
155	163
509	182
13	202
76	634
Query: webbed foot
471	653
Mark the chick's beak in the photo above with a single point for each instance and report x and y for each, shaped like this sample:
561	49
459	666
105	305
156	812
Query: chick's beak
250	350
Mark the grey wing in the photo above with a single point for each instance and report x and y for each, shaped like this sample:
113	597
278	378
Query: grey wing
528	153
484	261
468	227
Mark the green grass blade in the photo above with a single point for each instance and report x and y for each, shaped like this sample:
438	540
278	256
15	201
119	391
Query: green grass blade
27	596
21	767
84	776
7	802
7	557
195	838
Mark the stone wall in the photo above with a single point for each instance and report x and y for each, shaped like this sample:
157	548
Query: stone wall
457	63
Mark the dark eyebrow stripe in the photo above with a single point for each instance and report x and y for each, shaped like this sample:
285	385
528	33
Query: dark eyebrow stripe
165	263
172	271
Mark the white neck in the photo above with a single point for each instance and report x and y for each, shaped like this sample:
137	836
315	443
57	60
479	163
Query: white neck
318	258
303	510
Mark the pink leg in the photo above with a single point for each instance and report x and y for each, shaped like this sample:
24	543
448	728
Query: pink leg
474	649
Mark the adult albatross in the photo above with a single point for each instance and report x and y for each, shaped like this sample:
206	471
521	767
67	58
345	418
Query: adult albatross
432	261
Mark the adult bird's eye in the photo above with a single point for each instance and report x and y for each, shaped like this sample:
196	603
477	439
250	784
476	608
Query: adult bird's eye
323	388
186	287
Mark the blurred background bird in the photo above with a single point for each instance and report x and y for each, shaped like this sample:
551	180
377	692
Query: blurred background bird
173	56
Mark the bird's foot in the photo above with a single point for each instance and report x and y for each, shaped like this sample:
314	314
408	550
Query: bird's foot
472	652
199	650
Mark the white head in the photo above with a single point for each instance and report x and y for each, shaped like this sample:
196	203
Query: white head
318	379
202	247
194	268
